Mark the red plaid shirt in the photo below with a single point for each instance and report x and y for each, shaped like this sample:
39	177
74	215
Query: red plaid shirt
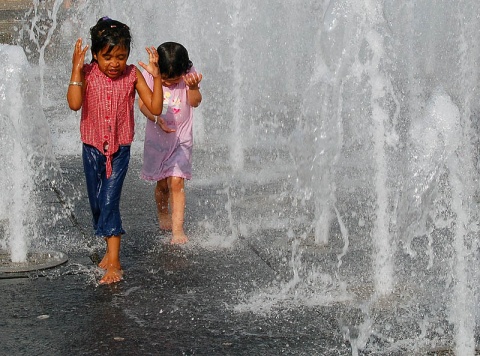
107	110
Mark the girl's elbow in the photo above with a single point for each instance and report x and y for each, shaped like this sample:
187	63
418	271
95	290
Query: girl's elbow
74	103
74	106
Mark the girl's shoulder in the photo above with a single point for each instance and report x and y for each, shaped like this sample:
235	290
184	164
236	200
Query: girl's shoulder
89	67
131	71
131	68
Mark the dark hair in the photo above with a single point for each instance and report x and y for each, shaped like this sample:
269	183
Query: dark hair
111	33
173	60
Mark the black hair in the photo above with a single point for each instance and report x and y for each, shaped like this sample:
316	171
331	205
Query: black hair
111	33
173	60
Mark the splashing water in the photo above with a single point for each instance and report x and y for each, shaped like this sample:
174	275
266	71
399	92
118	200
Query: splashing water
24	146
351	124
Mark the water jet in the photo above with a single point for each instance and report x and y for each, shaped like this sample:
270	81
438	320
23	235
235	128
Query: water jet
353	123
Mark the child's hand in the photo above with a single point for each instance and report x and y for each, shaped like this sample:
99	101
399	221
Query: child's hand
192	80
78	57
152	66
163	125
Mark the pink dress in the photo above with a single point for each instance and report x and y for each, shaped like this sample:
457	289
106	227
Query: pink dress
169	154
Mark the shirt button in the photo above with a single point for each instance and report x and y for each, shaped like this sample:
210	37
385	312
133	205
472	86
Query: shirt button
105	137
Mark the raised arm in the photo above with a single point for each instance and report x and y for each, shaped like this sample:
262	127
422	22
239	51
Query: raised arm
193	94
152	100
76	87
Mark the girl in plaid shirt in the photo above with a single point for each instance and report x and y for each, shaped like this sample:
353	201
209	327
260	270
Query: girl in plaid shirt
105	91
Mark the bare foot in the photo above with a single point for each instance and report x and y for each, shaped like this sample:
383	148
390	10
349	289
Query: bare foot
165	221
104	262
114	274
179	238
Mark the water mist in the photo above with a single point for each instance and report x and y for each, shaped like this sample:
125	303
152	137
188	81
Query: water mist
355	121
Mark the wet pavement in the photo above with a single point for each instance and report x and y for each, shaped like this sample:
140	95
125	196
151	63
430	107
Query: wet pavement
173	300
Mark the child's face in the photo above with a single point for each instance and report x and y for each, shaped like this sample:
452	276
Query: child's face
112	63
166	82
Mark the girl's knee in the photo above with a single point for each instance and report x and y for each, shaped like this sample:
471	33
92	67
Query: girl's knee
162	186
176	184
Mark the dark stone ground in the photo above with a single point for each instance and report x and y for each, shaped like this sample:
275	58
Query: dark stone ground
224	293
173	300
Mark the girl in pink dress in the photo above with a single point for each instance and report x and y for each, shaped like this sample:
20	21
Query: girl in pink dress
167	156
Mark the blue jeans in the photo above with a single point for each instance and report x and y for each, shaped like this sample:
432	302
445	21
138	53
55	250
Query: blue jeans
104	194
